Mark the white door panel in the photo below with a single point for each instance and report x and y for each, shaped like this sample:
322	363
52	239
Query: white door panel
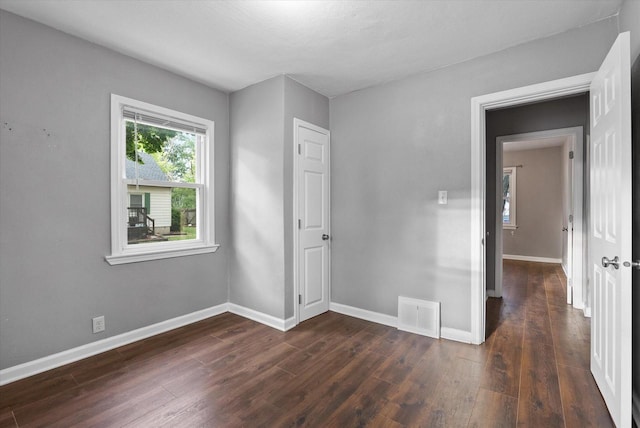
313	248
610	231
314	263
313	200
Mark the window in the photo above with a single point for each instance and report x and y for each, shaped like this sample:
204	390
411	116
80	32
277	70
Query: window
509	198
135	200
162	202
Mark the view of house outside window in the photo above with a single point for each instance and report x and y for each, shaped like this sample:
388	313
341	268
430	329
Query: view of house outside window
157	157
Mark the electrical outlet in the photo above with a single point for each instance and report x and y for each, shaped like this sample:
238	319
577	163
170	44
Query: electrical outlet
98	324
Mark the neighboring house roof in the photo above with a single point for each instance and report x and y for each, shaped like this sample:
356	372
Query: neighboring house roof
148	169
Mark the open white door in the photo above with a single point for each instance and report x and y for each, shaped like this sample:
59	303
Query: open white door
312	261
610	230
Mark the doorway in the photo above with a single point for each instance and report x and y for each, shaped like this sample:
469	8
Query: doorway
609	209
550	196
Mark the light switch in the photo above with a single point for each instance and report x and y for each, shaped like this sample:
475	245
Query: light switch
442	197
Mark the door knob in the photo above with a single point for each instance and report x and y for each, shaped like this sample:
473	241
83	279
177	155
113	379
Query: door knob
615	262
325	237
635	264
565	229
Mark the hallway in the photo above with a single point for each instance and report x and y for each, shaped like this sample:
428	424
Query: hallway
539	352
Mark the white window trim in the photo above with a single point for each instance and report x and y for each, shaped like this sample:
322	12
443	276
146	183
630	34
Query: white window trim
513	224
121	252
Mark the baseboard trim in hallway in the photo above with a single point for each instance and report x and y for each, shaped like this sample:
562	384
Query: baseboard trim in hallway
534	259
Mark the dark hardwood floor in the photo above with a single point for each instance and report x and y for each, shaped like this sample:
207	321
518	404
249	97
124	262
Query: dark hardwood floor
336	371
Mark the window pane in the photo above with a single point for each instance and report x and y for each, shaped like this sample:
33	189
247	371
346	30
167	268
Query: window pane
135	201
505	214
506	196
171	215
155	153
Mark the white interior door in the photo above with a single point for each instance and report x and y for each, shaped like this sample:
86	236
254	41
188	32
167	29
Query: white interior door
313	249
610	231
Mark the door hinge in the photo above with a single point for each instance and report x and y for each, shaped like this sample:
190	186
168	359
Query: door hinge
299	224
299	149
571	154
570	218
299	299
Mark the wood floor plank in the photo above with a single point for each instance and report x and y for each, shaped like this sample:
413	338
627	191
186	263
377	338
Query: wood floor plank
362	406
332	392
304	360
456	394
90	369
572	344
307	333
25	391
502	372
411	348
555	289
307	382
6	418
538	326
494	409
257	389
540	402
583	405
409	403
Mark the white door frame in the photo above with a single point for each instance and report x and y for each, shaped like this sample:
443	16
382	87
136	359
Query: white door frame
479	106
296	215
575	138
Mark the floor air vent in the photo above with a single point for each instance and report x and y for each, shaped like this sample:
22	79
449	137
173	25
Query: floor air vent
419	316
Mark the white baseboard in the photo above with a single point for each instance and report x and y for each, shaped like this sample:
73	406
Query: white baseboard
364	314
49	362
445	332
492	293
565	270
635	406
531	259
262	318
21	371
455	334
289	323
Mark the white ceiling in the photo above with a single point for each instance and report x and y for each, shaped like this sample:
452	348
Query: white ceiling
334	47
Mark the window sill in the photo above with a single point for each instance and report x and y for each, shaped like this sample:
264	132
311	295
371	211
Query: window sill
120	259
509	226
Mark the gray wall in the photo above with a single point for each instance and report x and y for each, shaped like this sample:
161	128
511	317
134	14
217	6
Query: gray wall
562	113
630	21
256	208
262	190
54	196
395	145
538	204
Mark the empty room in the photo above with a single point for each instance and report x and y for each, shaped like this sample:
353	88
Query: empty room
467	259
